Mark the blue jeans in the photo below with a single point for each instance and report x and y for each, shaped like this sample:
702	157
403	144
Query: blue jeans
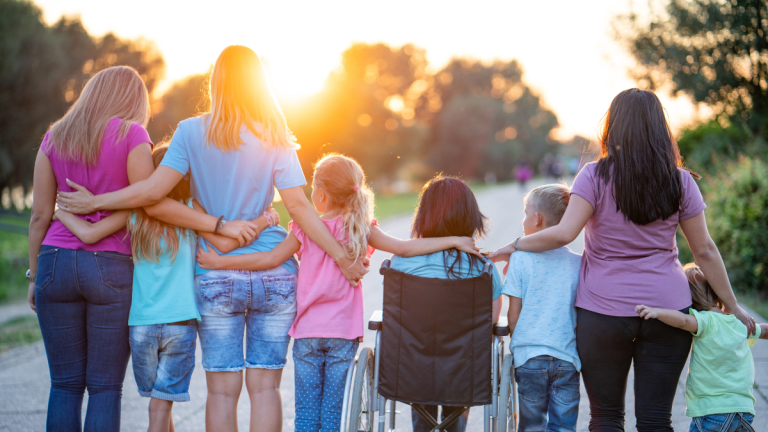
421	425
260	303
164	359
733	422
548	387
83	300
321	371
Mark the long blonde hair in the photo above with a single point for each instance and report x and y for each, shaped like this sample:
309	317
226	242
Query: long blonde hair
146	231
702	294
343	181
241	95
115	92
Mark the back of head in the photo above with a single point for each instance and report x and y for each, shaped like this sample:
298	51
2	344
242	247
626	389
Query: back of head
343	181
704	297
241	95
447	207
640	156
115	92
151	238
550	201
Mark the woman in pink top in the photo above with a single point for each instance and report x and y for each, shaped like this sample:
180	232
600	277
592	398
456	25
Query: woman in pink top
631	202
82	292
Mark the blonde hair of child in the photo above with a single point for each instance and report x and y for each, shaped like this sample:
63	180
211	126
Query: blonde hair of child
115	92
550	200
147	232
343	181
241	95
704	297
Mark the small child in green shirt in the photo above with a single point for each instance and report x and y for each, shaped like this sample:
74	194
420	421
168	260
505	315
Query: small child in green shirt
718	390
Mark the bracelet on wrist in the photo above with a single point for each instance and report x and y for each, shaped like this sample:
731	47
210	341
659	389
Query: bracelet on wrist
219	225
515	243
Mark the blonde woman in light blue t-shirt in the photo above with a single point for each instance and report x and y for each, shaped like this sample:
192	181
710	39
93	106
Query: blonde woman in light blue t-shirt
718	391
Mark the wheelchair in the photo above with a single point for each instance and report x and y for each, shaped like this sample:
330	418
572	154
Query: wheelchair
432	349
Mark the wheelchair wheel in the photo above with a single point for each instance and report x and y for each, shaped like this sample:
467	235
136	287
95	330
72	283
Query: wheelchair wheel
507	407
361	403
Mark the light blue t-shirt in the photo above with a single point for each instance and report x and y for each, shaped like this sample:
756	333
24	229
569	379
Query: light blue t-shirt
164	292
547	284
238	185
433	266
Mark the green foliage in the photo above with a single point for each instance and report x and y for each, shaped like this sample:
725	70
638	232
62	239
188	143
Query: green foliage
715	51
709	145
42	72
738	222
182	101
19	331
14	261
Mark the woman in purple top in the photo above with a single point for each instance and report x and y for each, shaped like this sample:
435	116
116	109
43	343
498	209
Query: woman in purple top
631	202
82	292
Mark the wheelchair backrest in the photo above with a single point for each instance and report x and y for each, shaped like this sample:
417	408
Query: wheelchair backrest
436	339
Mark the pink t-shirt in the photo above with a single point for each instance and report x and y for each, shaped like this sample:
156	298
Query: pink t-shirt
327	305
109	174
625	264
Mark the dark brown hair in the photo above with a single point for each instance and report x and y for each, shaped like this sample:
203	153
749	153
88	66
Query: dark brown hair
447	207
640	156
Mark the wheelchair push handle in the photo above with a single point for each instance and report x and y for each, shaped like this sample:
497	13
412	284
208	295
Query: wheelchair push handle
487	270
385	267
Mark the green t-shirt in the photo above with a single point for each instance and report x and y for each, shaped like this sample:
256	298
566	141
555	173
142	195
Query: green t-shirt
164	292
721	373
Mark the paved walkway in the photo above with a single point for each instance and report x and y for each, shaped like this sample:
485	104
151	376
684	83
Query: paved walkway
24	379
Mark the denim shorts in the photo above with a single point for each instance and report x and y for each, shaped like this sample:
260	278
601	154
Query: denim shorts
163	359
733	422
260	304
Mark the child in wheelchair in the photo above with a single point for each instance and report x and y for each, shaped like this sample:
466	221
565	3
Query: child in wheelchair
542	320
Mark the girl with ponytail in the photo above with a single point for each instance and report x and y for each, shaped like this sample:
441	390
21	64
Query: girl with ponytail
329	318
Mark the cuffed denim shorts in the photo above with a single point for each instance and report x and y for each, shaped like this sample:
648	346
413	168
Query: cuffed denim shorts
261	304
163	359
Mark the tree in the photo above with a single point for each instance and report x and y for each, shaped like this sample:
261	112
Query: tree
715	51
366	110
43	71
484	119
183	100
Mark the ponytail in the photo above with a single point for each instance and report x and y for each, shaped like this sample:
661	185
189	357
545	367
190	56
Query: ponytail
343	181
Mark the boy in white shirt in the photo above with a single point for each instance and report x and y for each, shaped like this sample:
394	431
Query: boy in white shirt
542	320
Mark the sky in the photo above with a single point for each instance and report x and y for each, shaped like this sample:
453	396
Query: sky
565	47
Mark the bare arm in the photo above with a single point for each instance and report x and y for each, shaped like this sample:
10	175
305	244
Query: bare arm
513	314
669	317
90	233
43	205
422	246
305	215
574	220
497	305
253	261
226	244
708	258
148	189
763	331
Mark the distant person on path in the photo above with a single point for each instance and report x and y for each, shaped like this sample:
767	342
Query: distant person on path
718	389
542	320
447	207
523	173
631	202
329	321
237	154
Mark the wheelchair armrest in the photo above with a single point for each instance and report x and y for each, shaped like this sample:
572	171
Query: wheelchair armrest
501	328
375	322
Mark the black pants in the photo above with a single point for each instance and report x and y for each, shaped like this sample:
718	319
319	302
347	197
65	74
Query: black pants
607	346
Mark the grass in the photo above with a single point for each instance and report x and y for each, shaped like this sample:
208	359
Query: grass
19	331
14	261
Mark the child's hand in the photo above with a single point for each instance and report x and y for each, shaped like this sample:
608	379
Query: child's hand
647	312
274	214
467	244
207	260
